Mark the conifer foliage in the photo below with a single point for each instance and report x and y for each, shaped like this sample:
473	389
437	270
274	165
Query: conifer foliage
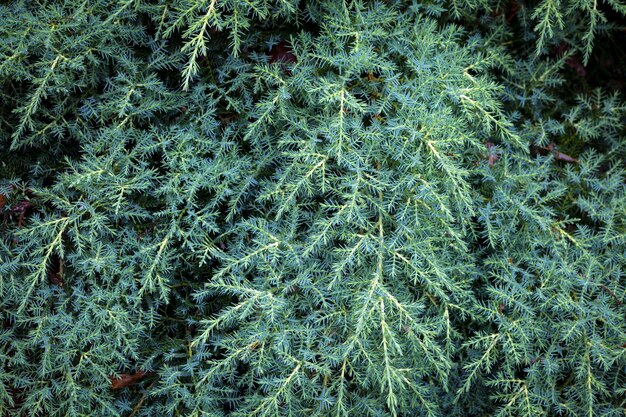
308	208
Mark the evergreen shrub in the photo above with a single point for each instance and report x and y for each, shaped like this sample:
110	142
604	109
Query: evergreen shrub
310	208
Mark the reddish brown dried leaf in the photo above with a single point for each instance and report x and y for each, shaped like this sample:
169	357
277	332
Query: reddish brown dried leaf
282	53
126	379
492	156
564	157
560	156
22	208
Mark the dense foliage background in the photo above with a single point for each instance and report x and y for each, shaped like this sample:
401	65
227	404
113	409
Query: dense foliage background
320	208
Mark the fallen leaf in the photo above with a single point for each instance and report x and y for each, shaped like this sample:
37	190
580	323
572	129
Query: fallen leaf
126	379
560	156
282	53
492	156
564	157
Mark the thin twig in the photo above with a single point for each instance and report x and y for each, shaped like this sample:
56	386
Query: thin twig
142	399
608	290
